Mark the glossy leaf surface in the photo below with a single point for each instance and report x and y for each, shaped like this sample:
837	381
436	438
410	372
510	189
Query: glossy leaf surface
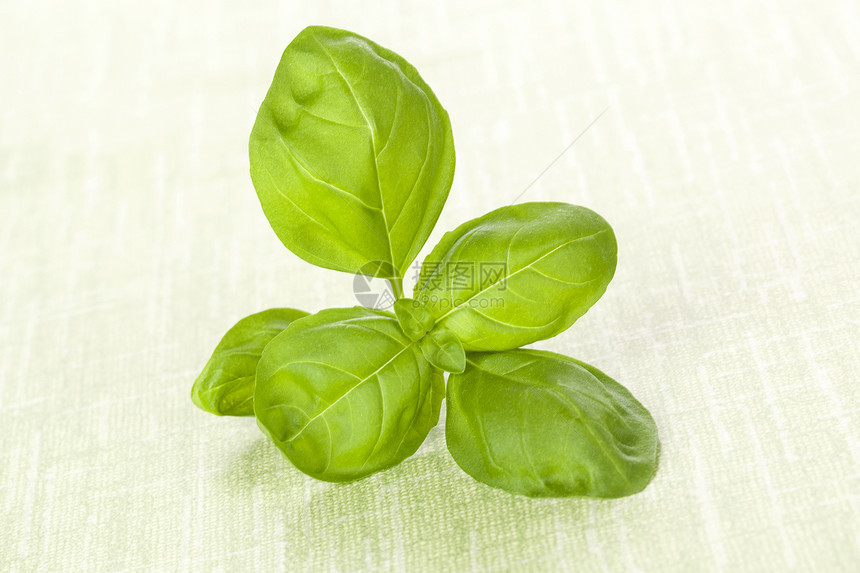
518	274
545	425
352	155
226	385
344	393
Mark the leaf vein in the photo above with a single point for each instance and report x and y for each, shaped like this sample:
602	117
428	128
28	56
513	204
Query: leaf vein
348	392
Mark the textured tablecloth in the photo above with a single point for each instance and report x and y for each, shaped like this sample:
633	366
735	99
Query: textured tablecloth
727	161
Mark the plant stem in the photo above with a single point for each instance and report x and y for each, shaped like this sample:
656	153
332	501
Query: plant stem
396	287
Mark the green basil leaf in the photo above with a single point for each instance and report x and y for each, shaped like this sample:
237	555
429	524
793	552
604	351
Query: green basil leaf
226	385
442	349
545	425
351	154
414	319
344	393
518	274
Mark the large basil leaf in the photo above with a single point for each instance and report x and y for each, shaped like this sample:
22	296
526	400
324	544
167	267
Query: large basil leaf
545	425
344	393
226	385
352	155
518	274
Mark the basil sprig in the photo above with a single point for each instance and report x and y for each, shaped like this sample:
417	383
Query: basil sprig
352	158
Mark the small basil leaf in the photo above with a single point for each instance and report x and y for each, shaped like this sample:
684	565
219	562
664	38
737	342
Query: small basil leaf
226	385
414	319
352	155
545	425
344	393
442	349
518	274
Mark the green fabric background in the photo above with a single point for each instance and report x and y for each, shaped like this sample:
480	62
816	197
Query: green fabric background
131	239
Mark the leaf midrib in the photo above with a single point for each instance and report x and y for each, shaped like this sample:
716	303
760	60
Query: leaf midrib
518	271
348	392
375	157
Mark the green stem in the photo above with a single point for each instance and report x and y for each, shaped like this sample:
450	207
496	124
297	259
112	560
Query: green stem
396	287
